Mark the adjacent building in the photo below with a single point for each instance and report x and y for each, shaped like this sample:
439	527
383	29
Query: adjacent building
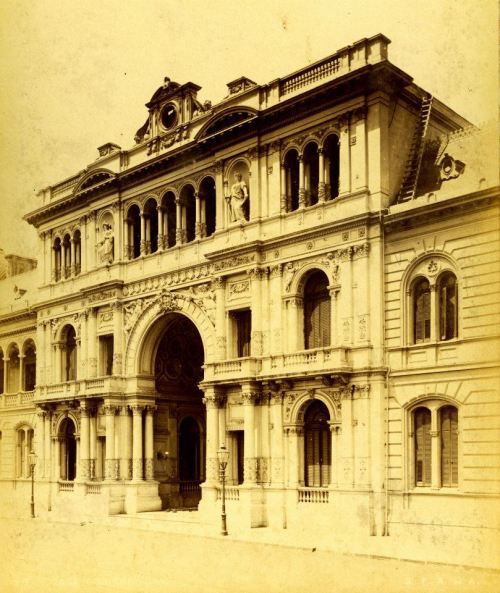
305	272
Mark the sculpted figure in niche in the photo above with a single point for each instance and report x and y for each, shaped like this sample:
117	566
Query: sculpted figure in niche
238	199
105	246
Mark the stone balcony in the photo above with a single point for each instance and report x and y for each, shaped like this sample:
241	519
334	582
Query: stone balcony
17	400
304	362
99	386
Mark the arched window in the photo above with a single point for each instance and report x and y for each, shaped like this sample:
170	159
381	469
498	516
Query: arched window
134	232
57	260
170	214
70	354
311	173
208	207
331	166
77	246
317	453
435	445
448	309
188	213
421	311
291	166
151	226
67	256
422	435
316	311
29	366
67	443
13	368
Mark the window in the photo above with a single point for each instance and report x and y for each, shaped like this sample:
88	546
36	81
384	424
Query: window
448	319
57	261
24	444
421	311
434	306
69	354
29	367
77	246
331	163
13	368
67	451
133	232
151	226
435	461
2	371
311	173
207	207
316	312
317	453
292	180
242	331
106	355
67	256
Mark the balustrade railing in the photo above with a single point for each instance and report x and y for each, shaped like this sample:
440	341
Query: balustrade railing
301	79
93	489
313	495
66	486
232	493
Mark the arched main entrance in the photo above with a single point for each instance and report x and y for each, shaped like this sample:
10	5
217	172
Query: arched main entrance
180	419
67	449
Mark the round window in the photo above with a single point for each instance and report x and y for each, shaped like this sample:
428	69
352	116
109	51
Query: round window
168	115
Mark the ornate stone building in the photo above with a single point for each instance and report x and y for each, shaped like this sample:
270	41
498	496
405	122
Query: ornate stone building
304	272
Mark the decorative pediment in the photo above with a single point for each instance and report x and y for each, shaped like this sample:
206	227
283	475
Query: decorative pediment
93	179
226	120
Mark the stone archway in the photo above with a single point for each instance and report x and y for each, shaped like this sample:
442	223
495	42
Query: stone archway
67	442
180	420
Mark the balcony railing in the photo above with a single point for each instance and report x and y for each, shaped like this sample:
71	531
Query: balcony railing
232	493
99	385
319	359
66	486
93	488
11	400
313	495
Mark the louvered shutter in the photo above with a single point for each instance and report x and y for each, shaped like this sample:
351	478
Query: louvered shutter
449	446
422	419
422	312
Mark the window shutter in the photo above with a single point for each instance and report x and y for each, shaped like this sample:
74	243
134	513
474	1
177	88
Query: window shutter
449	446
422	419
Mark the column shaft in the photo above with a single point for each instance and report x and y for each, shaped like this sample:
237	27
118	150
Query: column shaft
148	444
137	459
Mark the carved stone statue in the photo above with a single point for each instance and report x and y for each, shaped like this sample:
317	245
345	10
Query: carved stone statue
105	246
238	199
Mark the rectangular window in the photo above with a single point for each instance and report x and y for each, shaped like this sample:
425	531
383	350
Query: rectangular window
240	453
106	355
449	446
242	331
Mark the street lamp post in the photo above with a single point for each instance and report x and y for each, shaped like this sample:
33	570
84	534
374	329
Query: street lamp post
223	457
32	458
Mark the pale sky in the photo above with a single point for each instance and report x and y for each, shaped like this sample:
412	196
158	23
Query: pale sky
76	74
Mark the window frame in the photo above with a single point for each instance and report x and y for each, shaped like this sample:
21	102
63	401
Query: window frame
435	406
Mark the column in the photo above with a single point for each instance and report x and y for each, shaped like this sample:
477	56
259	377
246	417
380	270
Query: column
126	239
48	377
256	306
434	312
83	245
178	218
197	226
110	463
358	150
92	442
344	161
137	460
293	436
277	473
321	177
84	473
220	317
143	234
294	306
126	444
40	443
117	338
21	372
72	256
283	192
275	306
148	444
335	431
5	372
347	442
435	451
161	228
250	396
56	449
302	183
46	468
26	468
83	349
58	354
333	291
92	343
213	399
91	239
347	296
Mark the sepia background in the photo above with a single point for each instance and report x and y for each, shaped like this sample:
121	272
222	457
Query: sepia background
74	74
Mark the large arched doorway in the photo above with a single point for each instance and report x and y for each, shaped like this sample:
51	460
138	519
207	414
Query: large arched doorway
317	453
180	419
68	449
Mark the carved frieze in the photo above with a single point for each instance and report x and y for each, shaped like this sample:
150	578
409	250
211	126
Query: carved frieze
238	289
